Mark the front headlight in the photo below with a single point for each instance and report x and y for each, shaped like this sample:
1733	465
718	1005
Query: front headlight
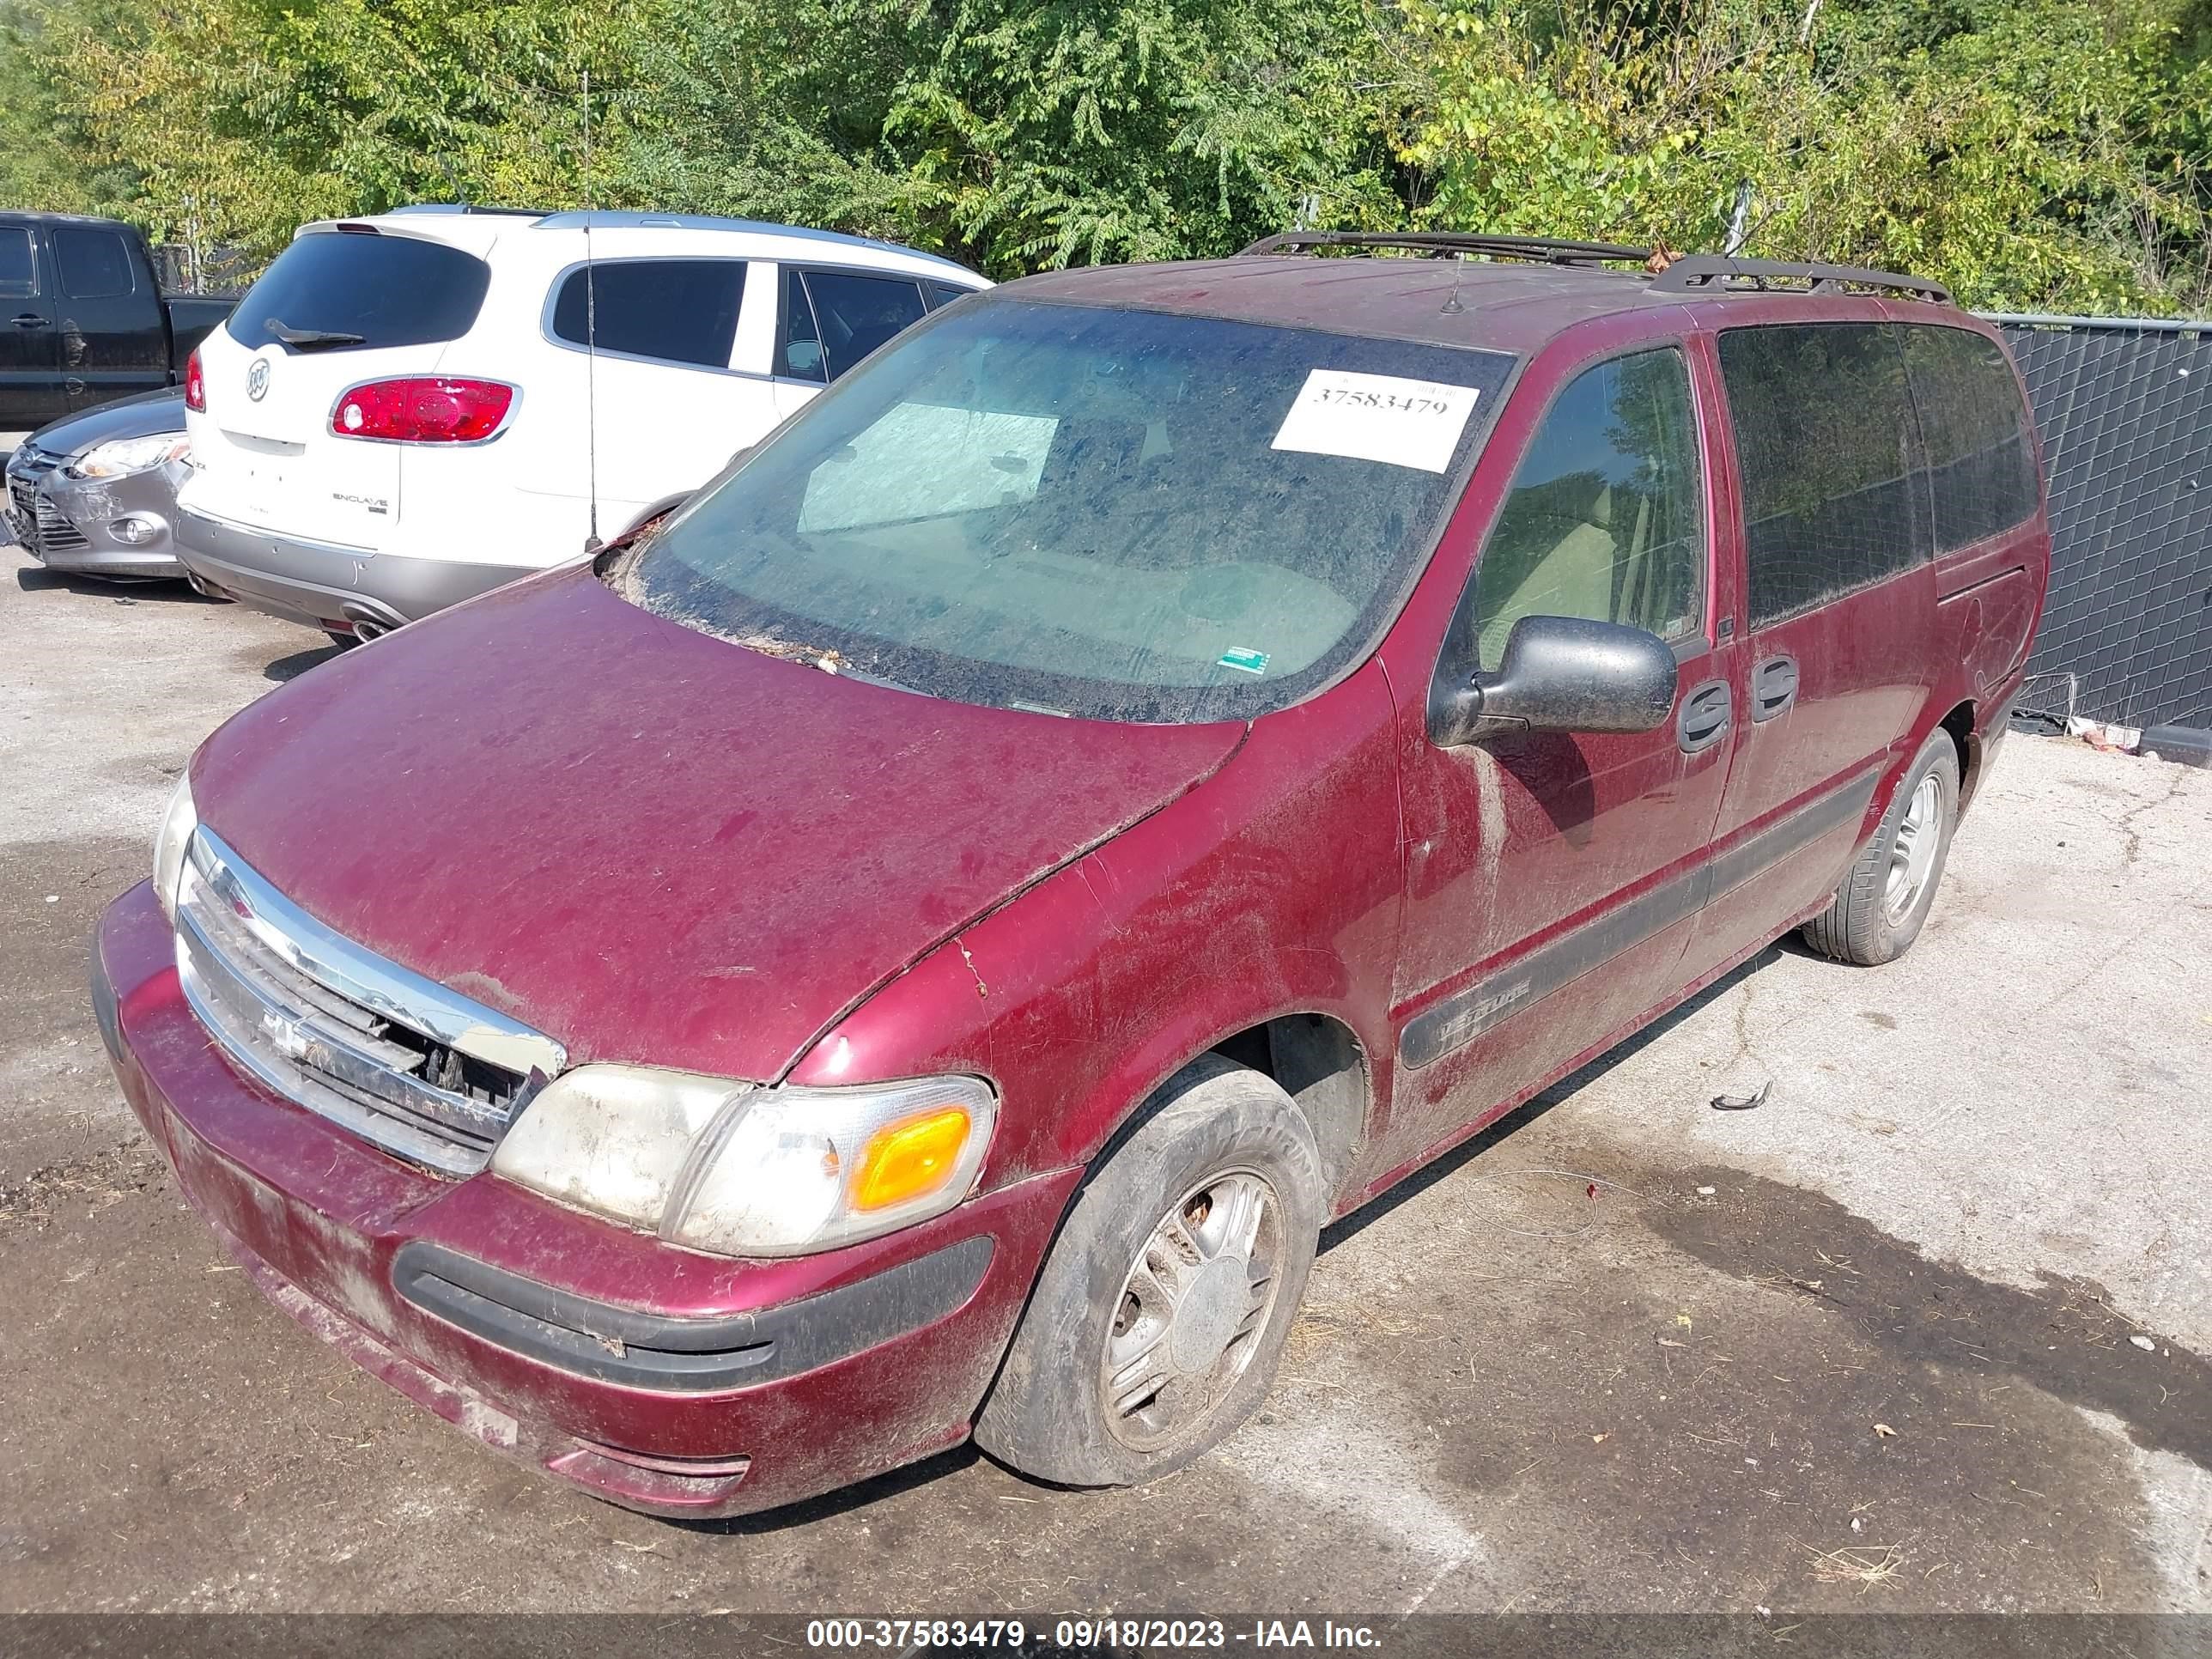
741	1169
171	842
124	456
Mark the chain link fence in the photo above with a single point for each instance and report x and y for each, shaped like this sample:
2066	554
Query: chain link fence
2125	408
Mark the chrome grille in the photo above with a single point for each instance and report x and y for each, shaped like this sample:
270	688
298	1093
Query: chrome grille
423	1072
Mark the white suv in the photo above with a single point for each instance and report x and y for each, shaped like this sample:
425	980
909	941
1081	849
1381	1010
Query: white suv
408	410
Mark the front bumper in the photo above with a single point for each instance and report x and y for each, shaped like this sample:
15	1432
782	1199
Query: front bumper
658	1378
323	585
69	524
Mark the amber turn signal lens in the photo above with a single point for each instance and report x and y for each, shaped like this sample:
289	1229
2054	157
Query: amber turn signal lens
906	1160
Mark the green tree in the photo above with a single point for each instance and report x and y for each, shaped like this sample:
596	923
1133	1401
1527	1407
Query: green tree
232	121
2034	154
1017	135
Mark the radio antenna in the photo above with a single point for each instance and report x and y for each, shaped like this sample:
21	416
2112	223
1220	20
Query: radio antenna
591	336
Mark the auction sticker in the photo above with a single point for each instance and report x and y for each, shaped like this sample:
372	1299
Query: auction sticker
1378	417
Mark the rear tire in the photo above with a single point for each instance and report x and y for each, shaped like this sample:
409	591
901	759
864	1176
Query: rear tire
1878	911
343	641
1156	1325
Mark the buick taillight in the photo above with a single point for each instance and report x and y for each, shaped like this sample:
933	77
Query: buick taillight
428	409
195	384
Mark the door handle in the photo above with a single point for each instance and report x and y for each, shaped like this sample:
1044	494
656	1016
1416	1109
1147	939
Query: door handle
30	319
1773	687
1703	720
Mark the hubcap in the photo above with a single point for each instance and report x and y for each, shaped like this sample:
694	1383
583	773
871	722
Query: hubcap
1912	855
1192	1308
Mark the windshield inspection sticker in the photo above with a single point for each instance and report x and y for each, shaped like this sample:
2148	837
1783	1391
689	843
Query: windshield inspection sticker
1252	662
1378	417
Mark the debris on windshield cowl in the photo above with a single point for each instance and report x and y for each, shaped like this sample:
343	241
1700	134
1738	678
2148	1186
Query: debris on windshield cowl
829	662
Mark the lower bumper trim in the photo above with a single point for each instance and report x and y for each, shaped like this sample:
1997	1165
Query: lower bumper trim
610	1344
321	584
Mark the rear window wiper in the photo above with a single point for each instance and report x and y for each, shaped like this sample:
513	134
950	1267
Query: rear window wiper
313	339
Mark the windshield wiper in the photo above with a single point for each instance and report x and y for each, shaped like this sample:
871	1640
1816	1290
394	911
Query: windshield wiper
313	339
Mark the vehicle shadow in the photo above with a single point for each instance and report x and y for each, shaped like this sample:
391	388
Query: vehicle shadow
291	668
872	1490
37	579
1450	1164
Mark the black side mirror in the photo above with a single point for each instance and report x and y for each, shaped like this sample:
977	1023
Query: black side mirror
1562	674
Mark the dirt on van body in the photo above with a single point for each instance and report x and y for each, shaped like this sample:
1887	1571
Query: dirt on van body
1927	1329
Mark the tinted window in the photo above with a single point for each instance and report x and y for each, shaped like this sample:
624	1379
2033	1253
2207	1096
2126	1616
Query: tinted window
389	290
679	311
1981	456
941	293
1834	488
19	265
1605	517
850	317
95	265
1125	515
799	347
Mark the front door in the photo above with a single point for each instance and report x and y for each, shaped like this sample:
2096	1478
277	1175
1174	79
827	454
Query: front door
1553	877
30	390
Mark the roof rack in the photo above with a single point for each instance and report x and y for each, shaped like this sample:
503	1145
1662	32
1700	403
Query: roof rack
1439	244
1715	273
470	207
624	218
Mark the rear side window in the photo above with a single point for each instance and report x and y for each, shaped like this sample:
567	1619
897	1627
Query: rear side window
1834	488
941	293
19	265
833	318
673	311
1605	517
95	265
1981	455
385	290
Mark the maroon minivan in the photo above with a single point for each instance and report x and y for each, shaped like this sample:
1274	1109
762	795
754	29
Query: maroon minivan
920	945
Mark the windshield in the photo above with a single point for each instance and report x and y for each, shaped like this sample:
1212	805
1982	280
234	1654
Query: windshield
1117	514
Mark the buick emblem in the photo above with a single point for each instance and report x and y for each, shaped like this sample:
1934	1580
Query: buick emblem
257	380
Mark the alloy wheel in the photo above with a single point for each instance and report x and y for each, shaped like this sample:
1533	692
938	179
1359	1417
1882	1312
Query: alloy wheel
1913	853
1192	1309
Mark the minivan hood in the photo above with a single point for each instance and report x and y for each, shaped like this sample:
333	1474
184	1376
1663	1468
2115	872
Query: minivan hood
651	844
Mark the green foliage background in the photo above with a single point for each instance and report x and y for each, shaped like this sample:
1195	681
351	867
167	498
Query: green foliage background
2037	155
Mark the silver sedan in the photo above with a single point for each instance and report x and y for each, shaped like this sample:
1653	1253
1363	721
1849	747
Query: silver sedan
95	493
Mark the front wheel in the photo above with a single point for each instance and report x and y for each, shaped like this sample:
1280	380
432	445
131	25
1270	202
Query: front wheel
1157	1322
1877	912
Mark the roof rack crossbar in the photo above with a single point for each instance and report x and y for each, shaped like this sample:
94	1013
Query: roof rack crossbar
1442	244
426	209
1715	273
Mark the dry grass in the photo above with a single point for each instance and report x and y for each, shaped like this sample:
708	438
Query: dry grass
1863	1564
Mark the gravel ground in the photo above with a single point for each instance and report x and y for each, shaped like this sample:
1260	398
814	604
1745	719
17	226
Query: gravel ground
1868	1347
